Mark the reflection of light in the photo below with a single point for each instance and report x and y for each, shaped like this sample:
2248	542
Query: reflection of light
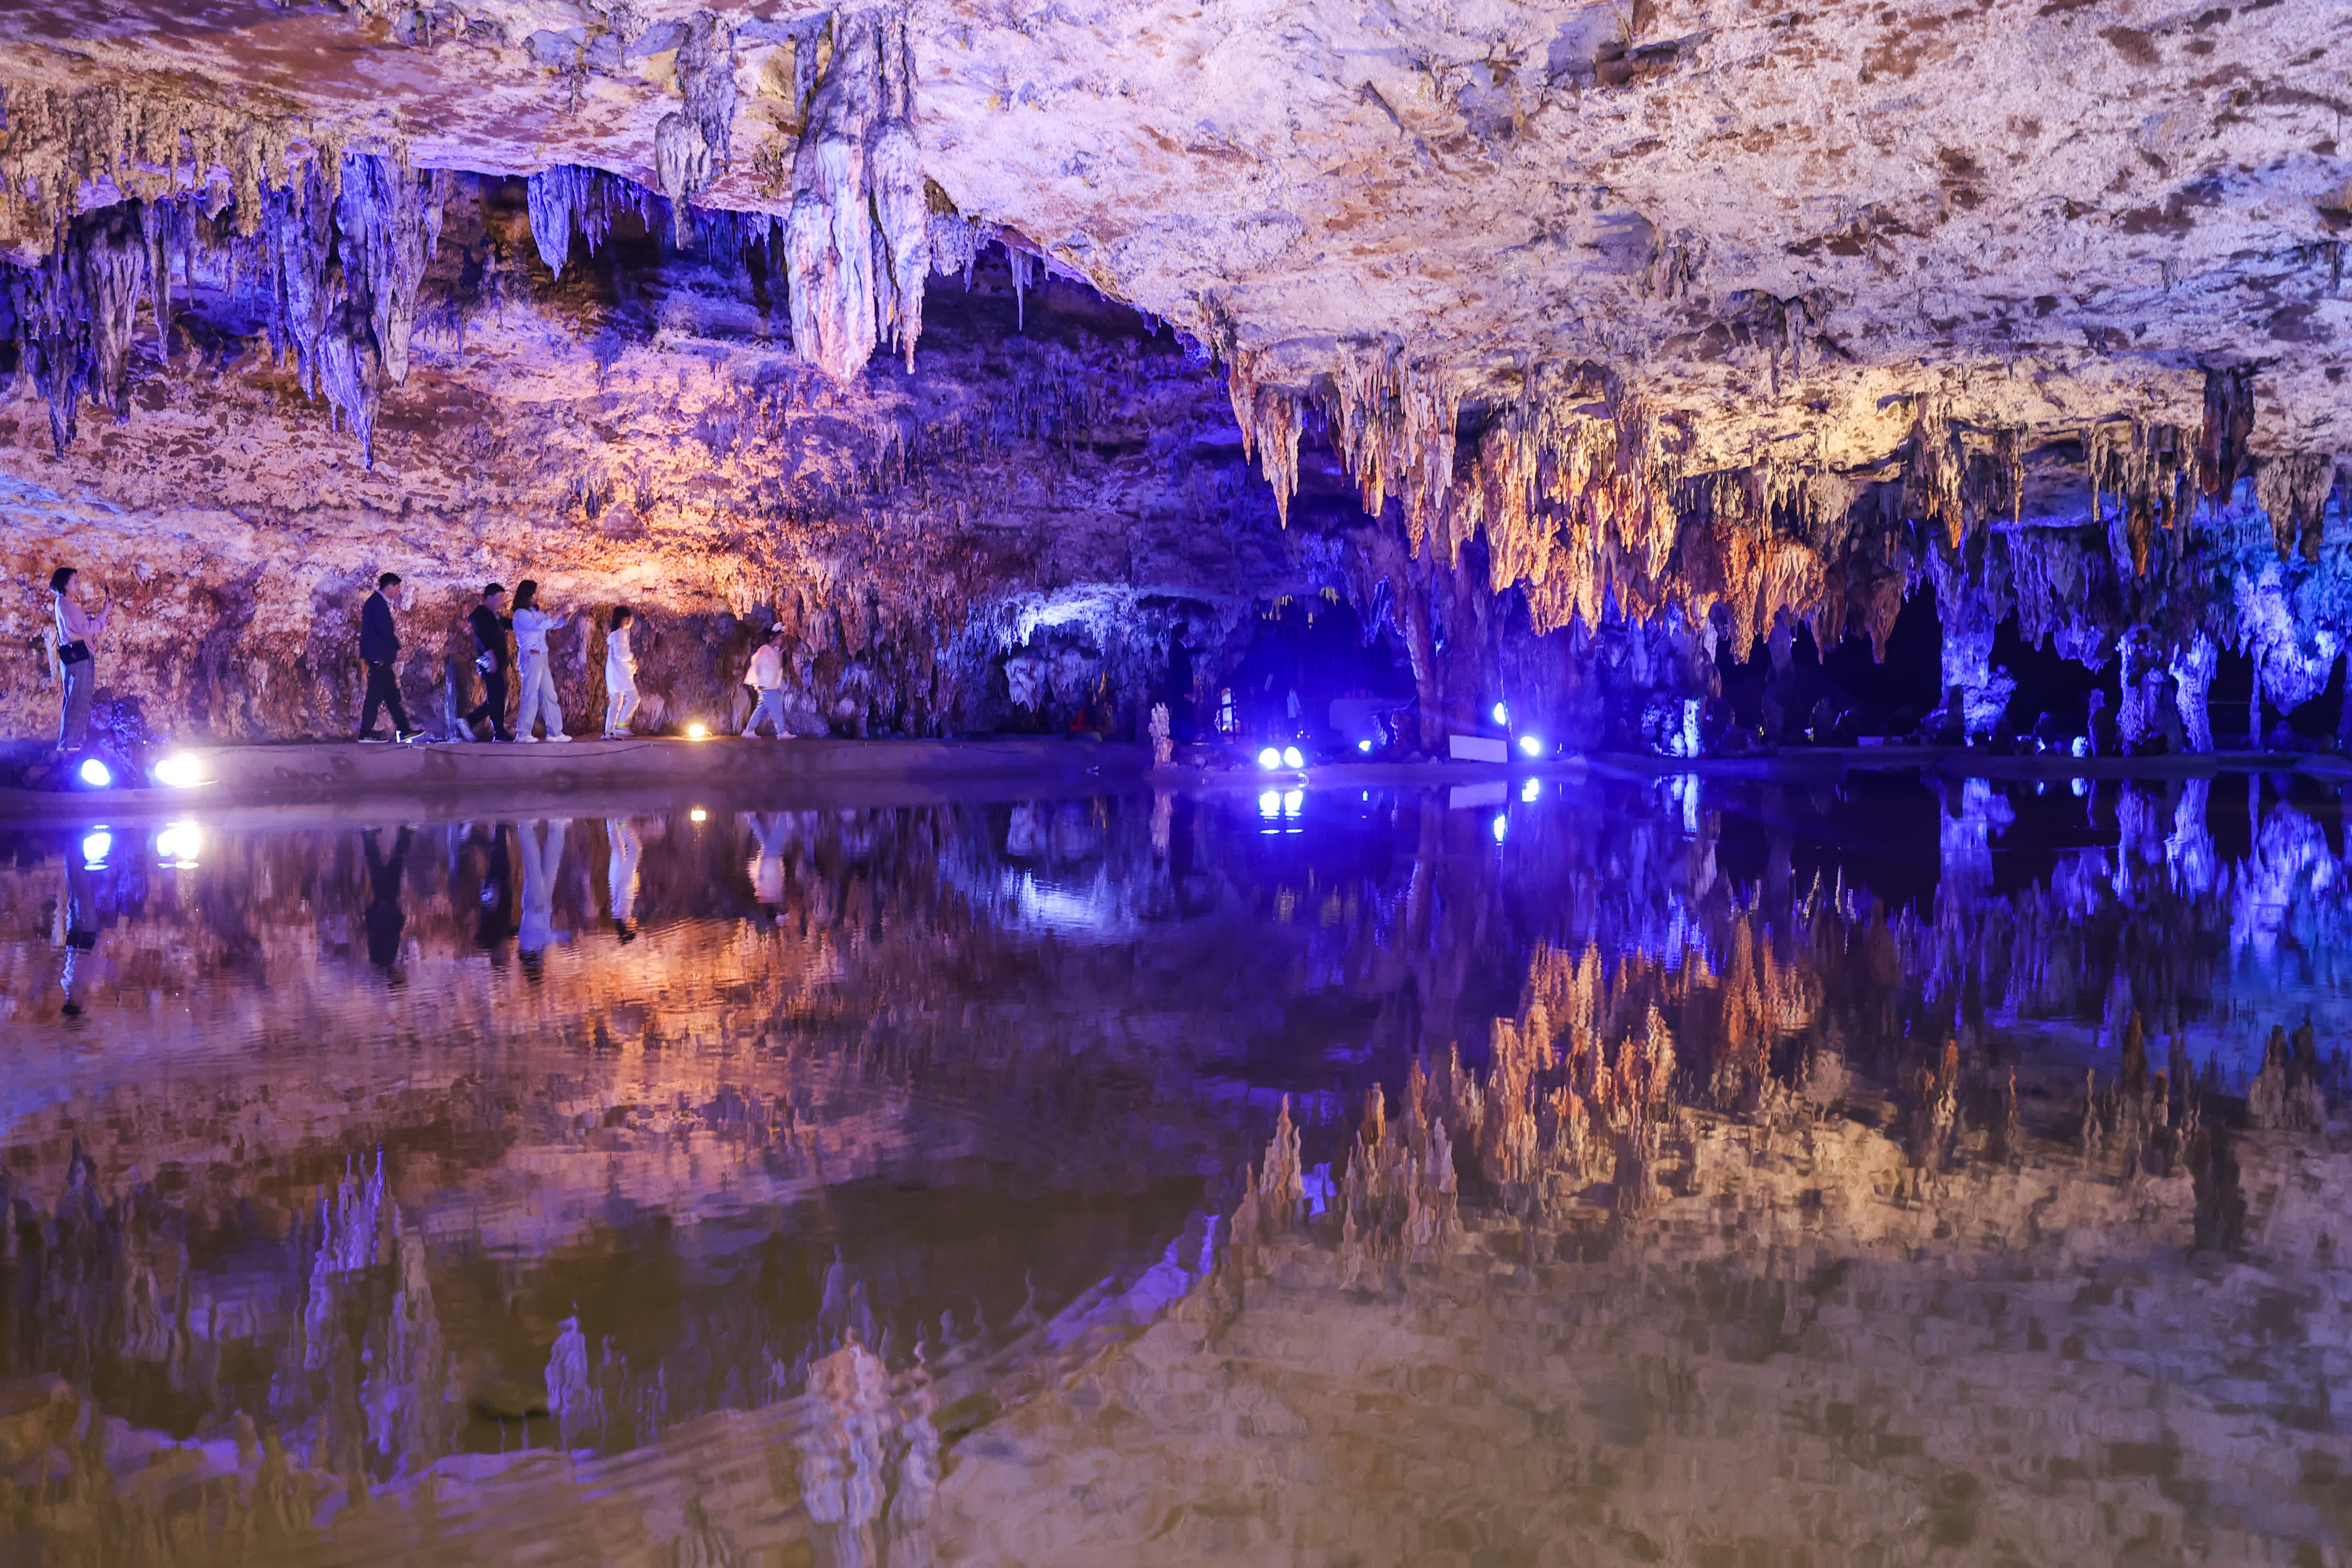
1293	758
179	844
1269	804
698	732
179	771
1532	790
94	849
1531	745
95	773
1363	745
2081	786
1502	828
1502	713
698	814
1269	758
1292	801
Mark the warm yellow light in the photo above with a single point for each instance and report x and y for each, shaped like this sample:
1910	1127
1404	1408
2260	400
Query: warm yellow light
697	732
698	814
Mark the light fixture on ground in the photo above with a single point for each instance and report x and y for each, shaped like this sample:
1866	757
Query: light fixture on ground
1502	711
698	732
1532	745
94	775
1293	758
1269	759
181	770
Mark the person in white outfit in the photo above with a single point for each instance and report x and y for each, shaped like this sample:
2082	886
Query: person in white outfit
543	863
620	674
766	676
77	628
531	625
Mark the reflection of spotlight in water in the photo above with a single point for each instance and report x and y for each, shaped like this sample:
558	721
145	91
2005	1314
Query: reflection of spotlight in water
698	814
1269	804
1292	757
1502	829
1269	758
2081	786
94	774
179	771
1531	791
179	844
1292	801
94	849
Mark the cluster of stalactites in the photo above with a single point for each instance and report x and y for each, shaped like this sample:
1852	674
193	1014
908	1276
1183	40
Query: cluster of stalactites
1391	420
338	254
858	234
570	200
61	150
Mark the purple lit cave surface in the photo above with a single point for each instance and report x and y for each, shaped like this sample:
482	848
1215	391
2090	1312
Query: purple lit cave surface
1354	783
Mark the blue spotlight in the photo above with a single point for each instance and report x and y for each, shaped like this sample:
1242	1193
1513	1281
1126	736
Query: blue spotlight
1293	758
1269	759
95	773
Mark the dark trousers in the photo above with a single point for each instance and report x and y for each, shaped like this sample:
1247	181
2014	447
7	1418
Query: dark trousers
383	691
494	704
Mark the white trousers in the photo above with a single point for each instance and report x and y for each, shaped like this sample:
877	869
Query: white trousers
620	699
538	700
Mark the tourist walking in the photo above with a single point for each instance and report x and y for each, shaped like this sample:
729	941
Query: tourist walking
379	651
766	676
537	673
620	675
77	628
490	626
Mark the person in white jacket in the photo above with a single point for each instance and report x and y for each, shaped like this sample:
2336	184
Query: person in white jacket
537	702
77	628
766	676
620	675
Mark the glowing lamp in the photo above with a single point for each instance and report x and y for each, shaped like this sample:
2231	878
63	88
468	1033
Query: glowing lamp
1363	745
1531	745
1291	757
94	849
94	774
1502	713
698	814
1269	759
179	771
698	732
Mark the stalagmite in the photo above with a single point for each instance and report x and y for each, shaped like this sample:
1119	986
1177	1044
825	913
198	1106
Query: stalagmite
2192	674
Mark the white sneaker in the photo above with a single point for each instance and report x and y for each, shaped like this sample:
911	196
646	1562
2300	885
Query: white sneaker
559	735
526	739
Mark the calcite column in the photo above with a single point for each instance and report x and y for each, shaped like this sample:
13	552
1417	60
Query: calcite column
2192	676
1982	691
2142	676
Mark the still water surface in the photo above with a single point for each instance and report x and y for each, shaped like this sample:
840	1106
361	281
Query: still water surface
1686	1171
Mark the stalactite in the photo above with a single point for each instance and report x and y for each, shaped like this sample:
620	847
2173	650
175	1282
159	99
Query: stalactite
2229	422
571	199
2294	490
901	203
839	308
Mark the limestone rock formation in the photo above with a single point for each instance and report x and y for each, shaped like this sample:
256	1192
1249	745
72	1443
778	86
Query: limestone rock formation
1660	322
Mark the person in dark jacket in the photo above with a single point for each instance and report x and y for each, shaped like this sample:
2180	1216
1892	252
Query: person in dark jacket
379	649
490	627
